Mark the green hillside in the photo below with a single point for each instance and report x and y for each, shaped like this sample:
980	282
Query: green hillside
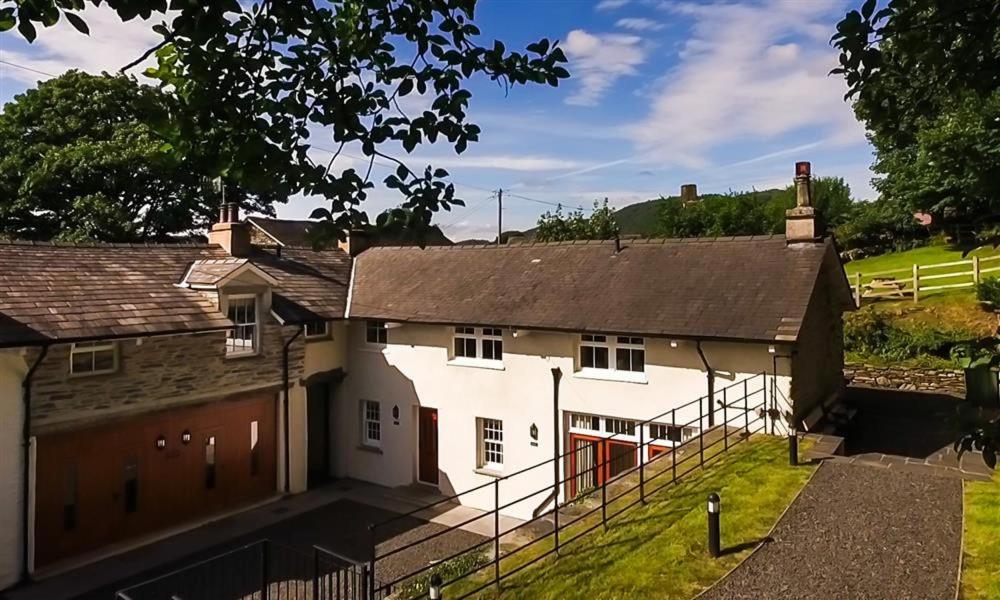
641	218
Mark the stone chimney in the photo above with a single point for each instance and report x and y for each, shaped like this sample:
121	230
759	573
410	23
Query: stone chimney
230	233
357	242
801	222
689	193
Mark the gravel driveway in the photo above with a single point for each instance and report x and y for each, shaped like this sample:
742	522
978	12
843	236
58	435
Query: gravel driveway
858	532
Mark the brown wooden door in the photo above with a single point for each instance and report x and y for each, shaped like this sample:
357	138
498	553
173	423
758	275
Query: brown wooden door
428	453
110	483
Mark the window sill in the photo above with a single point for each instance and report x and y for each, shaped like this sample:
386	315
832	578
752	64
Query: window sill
370	347
239	355
372	449
489	472
479	363
610	375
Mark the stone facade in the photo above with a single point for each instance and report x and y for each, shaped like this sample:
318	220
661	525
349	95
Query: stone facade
156	373
945	381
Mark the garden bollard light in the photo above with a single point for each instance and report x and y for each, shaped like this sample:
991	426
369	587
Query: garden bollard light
434	589
793	448
714	508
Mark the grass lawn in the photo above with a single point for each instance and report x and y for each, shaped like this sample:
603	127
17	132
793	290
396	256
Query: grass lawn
925	255
980	575
659	550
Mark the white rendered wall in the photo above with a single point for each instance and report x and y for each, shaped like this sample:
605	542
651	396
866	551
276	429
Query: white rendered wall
413	370
12	371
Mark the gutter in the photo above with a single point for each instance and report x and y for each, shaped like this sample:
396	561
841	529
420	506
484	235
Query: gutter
26	475
711	384
284	359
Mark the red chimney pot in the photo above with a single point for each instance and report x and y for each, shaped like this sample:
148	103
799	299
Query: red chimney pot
803	168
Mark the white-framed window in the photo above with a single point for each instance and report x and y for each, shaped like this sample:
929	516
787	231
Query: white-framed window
492	343
243	337
613	357
465	342
594	352
376	332
371	423
630	354
670	433
472	344
619	426
490	433
317	330
93	358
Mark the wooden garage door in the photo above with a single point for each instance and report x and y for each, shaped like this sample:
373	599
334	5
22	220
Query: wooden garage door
109	483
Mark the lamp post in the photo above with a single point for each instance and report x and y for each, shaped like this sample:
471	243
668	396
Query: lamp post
793	447
714	508
434	589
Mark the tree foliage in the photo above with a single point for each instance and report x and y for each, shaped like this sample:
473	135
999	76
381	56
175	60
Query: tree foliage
255	82
558	227
753	212
78	162
924	77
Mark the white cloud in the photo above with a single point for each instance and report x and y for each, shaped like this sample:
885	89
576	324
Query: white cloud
748	72
611	4
503	162
110	46
597	61
639	24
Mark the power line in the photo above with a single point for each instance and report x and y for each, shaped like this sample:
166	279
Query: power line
24	68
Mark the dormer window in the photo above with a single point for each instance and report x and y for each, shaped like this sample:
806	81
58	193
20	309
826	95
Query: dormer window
243	337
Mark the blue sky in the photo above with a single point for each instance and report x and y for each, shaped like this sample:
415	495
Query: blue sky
727	95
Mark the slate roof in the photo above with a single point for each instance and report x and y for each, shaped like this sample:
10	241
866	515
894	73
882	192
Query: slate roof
287	232
77	292
212	271
754	288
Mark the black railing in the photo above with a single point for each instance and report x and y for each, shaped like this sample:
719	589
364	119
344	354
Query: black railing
263	570
744	406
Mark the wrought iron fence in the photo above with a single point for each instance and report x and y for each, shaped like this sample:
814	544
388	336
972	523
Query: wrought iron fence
745	408
262	570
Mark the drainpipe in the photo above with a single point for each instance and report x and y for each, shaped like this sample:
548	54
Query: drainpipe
26	475
556	376
287	410
711	384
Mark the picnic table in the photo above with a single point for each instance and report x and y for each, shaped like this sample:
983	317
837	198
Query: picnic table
881	287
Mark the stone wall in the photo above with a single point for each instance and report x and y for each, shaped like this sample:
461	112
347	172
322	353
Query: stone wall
946	381
156	373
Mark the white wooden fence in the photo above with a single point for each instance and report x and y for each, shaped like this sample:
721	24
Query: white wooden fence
921	279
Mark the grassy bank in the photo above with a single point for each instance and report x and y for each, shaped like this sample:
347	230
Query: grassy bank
980	576
659	551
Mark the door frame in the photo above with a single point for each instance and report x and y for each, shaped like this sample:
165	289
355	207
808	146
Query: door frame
421	411
598	472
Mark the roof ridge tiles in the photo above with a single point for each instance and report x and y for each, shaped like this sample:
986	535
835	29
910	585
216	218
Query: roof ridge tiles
63	244
624	241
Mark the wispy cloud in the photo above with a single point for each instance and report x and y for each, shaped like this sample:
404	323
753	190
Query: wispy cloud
748	72
611	4
504	162
597	61
640	24
110	46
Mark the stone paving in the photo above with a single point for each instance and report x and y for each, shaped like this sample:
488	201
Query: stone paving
858	532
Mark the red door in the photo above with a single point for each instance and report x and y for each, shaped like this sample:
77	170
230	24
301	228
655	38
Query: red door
113	482
428	445
594	460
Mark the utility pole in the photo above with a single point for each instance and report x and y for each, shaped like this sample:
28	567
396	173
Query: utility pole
499	215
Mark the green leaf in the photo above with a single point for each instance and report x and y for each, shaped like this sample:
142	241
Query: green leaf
77	23
7	19
26	29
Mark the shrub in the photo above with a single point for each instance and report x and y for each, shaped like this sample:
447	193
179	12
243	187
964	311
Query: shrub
871	333
988	292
